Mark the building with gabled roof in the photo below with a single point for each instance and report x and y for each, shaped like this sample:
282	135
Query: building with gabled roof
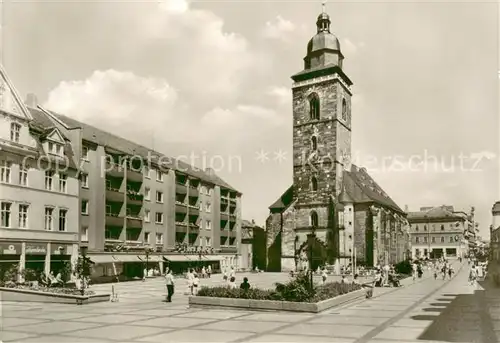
39	188
440	232
348	212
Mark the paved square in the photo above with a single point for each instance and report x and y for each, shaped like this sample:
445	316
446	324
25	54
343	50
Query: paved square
428	310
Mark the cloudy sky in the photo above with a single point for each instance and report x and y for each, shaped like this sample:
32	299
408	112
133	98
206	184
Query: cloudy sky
212	78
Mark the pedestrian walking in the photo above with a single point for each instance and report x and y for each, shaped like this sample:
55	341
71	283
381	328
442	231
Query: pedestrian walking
324	276
472	276
196	283
190	279
169	282
209	271
414	267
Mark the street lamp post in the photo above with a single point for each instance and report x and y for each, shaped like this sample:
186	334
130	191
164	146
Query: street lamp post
147	261
427	223
83	269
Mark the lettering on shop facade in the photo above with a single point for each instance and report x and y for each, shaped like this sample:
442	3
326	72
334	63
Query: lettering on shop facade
10	249
38	249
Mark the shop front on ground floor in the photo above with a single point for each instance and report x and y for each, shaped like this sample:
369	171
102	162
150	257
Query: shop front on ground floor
37	257
434	252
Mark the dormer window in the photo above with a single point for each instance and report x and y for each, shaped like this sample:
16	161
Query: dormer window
54	148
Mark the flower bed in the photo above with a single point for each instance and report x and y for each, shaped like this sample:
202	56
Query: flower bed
44	289
323	292
296	295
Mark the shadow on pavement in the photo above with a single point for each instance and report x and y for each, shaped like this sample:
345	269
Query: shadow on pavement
463	317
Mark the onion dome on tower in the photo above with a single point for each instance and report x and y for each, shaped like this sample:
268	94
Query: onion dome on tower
324	48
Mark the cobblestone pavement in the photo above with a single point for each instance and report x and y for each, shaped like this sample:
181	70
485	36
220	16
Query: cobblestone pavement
425	311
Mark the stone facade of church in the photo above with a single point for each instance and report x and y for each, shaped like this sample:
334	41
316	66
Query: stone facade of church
344	207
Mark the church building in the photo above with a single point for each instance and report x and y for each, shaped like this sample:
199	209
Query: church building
336	204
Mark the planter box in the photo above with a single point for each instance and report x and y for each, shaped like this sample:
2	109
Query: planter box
271	305
24	295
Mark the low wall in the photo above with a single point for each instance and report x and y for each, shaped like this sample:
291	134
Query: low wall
24	295
270	305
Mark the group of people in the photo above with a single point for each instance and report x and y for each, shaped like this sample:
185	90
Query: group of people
476	272
444	268
386	276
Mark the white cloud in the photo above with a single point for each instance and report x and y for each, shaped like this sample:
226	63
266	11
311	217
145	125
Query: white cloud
282	94
278	28
137	107
174	6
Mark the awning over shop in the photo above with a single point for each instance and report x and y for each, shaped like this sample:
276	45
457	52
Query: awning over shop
213	257
151	258
178	258
101	258
126	258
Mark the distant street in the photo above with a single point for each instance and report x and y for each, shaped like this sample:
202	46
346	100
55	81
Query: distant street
427	310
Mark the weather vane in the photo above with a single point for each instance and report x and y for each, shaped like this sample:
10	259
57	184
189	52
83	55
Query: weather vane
323	4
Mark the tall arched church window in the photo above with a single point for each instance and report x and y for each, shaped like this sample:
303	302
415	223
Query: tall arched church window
314	183
314	219
344	109
314	106
314	143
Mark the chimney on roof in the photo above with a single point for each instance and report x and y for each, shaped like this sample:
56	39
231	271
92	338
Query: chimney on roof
406	208
210	171
31	100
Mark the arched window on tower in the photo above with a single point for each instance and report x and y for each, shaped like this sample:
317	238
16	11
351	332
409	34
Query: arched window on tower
314	183
314	219
314	106
314	143
344	109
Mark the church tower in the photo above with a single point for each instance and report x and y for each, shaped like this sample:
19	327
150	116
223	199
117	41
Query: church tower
321	131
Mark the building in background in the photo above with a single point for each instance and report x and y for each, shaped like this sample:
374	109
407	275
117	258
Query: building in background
440	232
494	249
39	188
347	211
126	205
253	246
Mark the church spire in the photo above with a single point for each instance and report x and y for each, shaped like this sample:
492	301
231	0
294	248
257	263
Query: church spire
323	22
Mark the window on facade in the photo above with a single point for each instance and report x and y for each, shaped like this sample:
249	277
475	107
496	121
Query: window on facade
63	179
425	239
6	214
344	109
84	180
314	106
442	239
433	240
159	238
147	213
23	215
85	207
314	219
146	237
417	239
5	171
314	183
209	225
416	227
425	227
62	219
147	172
451	239
314	143
147	193
85	234
208	207
85	153
442	227
49	176
23	176
15	131
159	175
159	218
207	239
159	197
49	218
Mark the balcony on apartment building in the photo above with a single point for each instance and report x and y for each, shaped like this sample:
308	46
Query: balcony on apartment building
224	224
134	239
112	235
113	216
135	169
193	188
181	223
115	164
181	181
180	237
113	186
134	217
232	224
134	196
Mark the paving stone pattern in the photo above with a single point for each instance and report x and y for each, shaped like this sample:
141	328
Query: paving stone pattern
425	311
